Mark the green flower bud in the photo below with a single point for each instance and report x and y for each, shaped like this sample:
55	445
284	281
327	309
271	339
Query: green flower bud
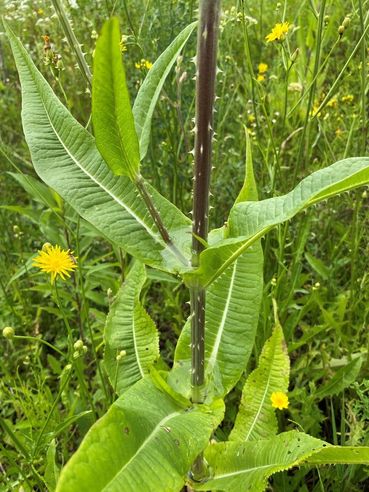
46	246
121	355
78	345
8	332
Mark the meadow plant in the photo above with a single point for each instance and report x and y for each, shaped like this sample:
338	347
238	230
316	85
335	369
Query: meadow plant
157	434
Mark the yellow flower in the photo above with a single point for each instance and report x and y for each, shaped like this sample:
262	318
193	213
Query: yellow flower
279	400
332	103
56	261
143	64
349	98
262	68
314	111
278	32
260	77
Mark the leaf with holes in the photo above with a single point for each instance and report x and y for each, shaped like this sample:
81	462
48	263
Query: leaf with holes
256	417
130	328
146	441
65	157
247	466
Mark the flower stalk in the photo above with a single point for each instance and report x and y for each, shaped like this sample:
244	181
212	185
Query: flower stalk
207	42
72	40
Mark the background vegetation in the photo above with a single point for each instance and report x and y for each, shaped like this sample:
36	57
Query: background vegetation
305	110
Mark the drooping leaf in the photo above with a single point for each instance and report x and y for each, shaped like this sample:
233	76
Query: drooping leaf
65	157
256	417
112	116
251	220
342	379
147	441
247	466
35	189
130	328
149	92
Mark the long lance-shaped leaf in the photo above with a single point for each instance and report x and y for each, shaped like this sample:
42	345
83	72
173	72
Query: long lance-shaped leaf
149	92
147	441
130	328
232	311
251	220
65	157
256	417
247	466
112	116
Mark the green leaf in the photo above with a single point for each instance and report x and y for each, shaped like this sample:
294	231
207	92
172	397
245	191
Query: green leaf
130	328
147	441
232	312
256	417
231	317
112	116
347	455
36	189
317	265
249	189
343	378
247	466
65	157
51	469
251	220
149	92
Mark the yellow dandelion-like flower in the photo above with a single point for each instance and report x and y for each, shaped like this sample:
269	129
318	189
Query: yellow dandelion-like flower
56	261
262	68
279	400
278	32
260	77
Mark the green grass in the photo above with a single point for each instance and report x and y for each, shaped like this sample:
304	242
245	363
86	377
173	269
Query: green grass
316	268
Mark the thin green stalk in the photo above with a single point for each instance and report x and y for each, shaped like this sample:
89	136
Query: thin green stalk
82	383
58	396
39	340
85	312
72	40
363	79
304	139
22	450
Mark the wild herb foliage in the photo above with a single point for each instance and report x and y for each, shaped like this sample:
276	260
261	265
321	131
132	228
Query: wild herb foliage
303	110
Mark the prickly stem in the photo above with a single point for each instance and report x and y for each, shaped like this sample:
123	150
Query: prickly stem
207	41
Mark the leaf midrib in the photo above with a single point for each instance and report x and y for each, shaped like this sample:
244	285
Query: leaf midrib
156	237
149	438
218	339
264	395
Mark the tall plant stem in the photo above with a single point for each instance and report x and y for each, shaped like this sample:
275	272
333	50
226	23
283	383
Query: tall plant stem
72	40
207	42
